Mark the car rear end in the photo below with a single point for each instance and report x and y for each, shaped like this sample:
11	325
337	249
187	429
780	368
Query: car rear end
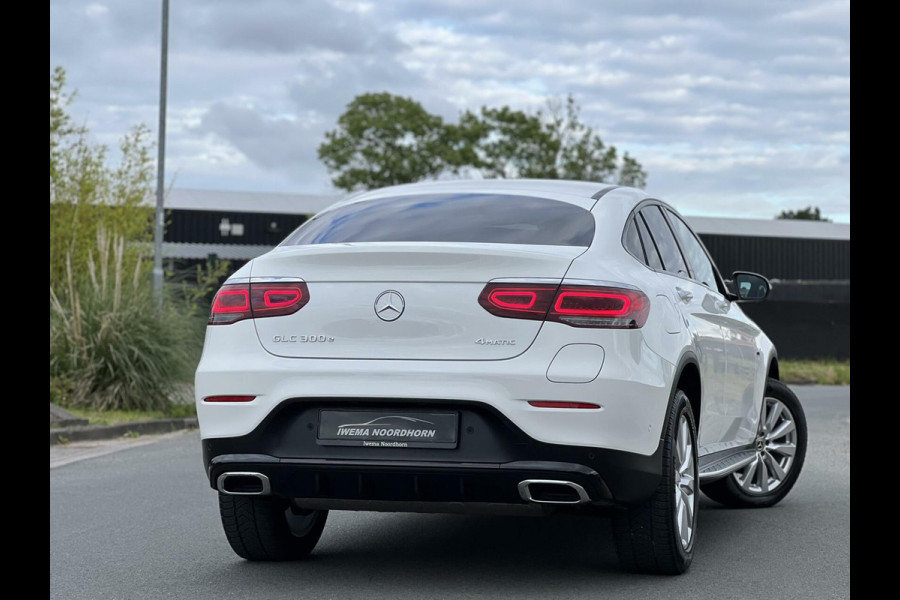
426	351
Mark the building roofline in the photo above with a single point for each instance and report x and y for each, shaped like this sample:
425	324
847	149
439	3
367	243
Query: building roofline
309	204
240	201
776	228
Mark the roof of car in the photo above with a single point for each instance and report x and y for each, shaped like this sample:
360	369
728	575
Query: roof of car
581	189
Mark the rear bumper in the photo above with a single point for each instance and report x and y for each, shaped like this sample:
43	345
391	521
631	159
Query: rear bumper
492	458
633	387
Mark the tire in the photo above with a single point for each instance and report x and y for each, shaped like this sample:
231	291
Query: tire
743	488
263	528
648	537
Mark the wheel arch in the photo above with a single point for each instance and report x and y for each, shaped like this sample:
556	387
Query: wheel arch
773	372
687	379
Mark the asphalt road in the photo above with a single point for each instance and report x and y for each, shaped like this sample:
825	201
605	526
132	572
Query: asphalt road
143	523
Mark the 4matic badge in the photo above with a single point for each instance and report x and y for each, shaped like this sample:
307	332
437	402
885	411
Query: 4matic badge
494	342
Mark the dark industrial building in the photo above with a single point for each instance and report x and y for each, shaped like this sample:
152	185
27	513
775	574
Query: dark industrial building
808	314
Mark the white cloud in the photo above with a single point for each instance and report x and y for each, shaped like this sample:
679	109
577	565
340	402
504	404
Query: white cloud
733	108
96	10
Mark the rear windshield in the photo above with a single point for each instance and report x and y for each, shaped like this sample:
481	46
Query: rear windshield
480	218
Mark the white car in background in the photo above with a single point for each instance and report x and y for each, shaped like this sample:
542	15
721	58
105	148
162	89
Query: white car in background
521	346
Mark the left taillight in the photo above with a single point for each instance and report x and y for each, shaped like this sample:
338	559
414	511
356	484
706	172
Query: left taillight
238	301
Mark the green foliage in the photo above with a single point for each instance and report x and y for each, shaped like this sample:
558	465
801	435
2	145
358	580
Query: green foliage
109	341
60	388
195	290
191	293
555	144
631	173
111	345
87	194
114	417
510	143
383	139
821	372
810	213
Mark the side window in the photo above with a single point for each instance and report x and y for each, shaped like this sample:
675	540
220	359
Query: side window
693	250
653	259
633	242
665	241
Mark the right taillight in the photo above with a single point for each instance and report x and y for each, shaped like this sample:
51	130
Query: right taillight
238	301
578	306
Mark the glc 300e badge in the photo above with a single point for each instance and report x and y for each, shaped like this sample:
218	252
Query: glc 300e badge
389	305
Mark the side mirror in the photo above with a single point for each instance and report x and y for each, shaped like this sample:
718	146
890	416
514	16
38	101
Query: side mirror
750	287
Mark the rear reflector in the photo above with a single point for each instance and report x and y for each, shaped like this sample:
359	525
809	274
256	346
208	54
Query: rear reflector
235	302
229	399
578	306
552	404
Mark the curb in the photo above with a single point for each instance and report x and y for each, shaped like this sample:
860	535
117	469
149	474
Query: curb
108	432
63	418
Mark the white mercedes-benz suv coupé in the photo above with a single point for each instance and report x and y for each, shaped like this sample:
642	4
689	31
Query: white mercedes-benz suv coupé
521	346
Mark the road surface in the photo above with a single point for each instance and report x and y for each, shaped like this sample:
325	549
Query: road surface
143	523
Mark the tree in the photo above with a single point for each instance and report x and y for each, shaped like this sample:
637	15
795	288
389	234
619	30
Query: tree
555	144
508	143
383	139
810	213
86	194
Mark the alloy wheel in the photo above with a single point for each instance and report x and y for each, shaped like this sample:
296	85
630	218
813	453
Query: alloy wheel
776	446
685	483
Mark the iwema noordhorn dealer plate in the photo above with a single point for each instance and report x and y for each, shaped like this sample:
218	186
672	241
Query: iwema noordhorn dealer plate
387	429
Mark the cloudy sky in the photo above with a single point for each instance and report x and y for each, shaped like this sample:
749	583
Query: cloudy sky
734	108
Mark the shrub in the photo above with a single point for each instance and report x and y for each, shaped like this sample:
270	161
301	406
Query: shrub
111	345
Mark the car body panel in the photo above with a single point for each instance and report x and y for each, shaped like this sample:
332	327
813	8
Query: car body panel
434	284
633	387
431	354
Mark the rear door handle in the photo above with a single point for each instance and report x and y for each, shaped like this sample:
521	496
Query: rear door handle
684	294
723	305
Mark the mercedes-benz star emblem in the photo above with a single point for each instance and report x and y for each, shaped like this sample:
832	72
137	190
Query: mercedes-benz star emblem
389	305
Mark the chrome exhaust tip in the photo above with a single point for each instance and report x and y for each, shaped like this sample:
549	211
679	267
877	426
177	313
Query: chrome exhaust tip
243	484
552	491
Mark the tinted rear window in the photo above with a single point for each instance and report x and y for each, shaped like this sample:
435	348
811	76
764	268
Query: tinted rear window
480	218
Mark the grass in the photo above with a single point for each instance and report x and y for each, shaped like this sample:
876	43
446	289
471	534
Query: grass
113	417
111	346
822	372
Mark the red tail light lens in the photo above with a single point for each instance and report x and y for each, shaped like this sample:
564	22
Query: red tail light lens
514	299
517	301
578	306
275	300
281	298
606	307
235	302
232	304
